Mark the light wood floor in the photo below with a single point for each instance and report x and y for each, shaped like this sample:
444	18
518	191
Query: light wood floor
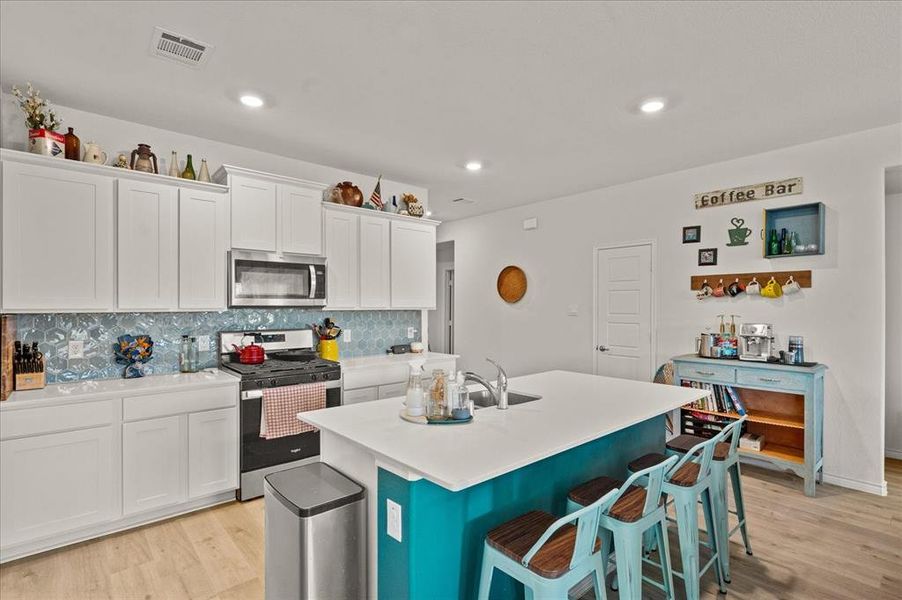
841	544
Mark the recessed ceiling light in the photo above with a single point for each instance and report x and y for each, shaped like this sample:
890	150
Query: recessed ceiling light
251	101
652	105
473	165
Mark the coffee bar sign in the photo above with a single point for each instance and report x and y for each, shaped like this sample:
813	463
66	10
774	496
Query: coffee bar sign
746	193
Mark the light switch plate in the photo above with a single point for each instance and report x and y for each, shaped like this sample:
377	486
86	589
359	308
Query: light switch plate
393	510
76	349
411	333
203	343
346	335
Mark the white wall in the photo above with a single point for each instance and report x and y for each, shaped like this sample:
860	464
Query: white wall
894	326
444	260
841	316
116	136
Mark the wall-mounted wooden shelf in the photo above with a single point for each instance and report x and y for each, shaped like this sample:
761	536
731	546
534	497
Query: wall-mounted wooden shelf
803	277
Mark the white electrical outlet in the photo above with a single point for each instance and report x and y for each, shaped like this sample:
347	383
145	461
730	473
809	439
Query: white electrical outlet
203	343
346	335
411	333
393	512
76	349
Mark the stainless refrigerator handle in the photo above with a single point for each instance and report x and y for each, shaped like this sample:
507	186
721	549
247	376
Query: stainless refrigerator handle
312	281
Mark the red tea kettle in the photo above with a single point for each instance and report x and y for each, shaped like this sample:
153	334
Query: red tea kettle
249	355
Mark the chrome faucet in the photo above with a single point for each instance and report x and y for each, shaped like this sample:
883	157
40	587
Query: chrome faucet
499	391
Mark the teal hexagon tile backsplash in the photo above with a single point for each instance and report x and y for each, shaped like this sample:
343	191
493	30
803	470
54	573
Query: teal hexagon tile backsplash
372	333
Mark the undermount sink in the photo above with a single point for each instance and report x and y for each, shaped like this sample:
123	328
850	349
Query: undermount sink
483	399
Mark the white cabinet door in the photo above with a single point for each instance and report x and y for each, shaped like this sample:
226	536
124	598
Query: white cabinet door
57	239
212	452
54	483
253	213
300	219
203	240
147	228
412	265
153	469
375	262
342	257
367	394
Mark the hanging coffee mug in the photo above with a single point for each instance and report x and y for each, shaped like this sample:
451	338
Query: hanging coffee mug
791	286
704	291
772	289
719	290
753	288
735	288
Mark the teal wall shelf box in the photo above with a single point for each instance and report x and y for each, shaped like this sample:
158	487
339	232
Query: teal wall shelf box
806	220
443	531
785	404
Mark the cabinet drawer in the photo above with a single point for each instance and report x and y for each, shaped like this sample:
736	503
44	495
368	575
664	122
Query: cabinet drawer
369	377
367	394
173	403
46	419
706	372
393	390
773	379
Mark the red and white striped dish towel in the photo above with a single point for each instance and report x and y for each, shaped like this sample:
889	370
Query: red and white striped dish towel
282	404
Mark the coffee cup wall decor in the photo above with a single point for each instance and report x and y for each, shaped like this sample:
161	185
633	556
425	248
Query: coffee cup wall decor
738	234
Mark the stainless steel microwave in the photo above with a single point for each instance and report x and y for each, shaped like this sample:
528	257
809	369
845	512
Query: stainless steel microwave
267	279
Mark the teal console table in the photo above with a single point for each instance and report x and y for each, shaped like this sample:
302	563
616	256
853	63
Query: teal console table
785	405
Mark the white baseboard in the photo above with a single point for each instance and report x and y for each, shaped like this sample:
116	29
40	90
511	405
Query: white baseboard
890	453
855	484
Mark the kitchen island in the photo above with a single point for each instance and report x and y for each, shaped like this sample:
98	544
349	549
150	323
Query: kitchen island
454	483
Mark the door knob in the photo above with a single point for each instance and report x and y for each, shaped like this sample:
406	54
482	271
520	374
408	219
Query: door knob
602	348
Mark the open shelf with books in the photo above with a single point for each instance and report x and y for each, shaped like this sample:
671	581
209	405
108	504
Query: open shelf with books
784	408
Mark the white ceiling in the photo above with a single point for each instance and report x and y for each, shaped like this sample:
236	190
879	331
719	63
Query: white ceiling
543	92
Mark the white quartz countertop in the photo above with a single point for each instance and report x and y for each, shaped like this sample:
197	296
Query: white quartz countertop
382	360
62	393
575	408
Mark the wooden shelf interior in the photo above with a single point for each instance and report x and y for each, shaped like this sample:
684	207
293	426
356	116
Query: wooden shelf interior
805	219
803	277
778	416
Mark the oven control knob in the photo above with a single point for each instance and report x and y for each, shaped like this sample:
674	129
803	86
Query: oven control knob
272	382
315	376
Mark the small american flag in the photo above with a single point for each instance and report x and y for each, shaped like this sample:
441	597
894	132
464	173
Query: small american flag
376	198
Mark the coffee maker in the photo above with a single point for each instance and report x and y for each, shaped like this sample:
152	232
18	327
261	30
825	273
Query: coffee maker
756	341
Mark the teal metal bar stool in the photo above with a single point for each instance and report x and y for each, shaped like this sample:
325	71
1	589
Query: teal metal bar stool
688	482
547	555
725	464
632	511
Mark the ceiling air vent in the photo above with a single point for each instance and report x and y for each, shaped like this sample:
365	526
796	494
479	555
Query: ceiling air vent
463	201
178	48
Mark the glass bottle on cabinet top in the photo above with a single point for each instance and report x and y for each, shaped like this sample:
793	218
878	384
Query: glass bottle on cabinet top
188	173
174	165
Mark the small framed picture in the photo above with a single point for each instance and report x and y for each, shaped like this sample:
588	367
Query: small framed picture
692	234
707	257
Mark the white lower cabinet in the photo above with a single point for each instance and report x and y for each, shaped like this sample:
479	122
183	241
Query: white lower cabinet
367	394
153	472
212	452
57	482
392	390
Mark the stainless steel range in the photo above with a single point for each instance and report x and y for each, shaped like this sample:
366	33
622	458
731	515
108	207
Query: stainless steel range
289	360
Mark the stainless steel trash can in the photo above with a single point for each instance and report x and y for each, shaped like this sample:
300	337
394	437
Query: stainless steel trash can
315	535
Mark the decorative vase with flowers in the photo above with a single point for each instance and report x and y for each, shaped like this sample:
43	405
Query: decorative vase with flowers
41	122
134	352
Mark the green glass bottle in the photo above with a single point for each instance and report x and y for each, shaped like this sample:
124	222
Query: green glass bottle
774	245
188	173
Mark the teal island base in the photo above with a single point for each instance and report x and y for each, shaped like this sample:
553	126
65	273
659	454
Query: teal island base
442	532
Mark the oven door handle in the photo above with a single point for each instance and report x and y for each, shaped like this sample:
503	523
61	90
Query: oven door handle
257	394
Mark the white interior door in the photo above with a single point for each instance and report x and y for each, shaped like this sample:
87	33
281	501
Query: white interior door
623	312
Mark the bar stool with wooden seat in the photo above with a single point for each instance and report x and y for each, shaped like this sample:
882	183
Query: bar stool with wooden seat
547	555
633	511
688	482
725	463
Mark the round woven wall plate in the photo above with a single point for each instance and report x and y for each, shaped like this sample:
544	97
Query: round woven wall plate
511	284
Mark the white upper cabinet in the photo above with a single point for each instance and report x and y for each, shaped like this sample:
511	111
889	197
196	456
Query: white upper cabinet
203	240
412	265
253	213
300	219
58	235
274	213
342	259
375	262
147	245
